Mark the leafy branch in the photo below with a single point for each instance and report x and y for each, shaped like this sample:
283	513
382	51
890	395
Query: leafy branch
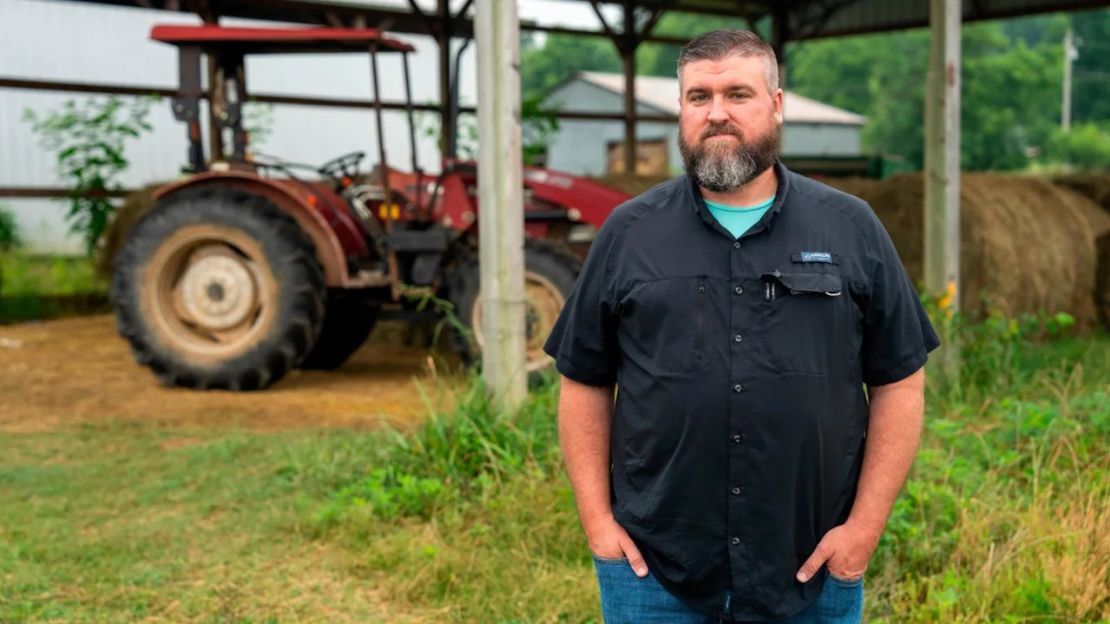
88	139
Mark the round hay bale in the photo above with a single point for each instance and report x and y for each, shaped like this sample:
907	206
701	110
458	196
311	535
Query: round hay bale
1096	187
134	206
1093	185
1027	246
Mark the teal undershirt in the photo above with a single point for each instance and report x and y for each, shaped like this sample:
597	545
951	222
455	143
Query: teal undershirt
737	219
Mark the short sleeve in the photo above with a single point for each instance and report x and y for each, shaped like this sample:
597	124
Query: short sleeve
583	340
897	333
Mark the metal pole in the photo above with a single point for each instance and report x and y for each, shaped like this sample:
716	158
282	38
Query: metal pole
942	171
1069	56
500	202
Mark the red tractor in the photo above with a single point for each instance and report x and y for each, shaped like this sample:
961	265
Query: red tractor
250	267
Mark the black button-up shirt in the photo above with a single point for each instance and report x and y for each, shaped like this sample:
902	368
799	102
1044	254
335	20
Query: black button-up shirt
740	417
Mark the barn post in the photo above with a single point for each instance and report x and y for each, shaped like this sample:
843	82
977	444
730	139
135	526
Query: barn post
627	48
942	171
500	202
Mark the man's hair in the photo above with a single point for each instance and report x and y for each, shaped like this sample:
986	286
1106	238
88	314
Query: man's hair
719	44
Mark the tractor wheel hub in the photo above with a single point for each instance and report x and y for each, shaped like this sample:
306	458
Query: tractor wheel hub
218	291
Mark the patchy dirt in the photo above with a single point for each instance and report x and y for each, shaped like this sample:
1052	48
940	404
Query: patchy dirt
58	373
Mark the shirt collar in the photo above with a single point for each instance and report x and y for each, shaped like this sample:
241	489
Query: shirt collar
782	174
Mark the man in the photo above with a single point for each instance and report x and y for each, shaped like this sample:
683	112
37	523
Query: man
740	309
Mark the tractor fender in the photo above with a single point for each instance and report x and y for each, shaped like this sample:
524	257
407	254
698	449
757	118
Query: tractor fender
296	201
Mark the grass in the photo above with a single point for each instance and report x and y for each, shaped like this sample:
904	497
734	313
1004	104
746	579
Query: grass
470	518
25	274
40	287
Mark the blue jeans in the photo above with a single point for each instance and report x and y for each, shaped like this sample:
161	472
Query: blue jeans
629	599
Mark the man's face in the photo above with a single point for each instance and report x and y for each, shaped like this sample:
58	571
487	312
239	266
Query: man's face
728	121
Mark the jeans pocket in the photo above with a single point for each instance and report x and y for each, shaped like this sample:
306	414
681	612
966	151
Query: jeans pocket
846	582
841	601
610	560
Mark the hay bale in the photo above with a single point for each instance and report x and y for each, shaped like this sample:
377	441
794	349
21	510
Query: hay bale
1096	186
134	206
1027	245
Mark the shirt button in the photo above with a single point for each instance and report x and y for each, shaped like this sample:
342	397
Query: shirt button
738	388
738	290
735	541
736	438
736	244
738	338
737	491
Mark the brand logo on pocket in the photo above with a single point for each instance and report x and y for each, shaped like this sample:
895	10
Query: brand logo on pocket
816	256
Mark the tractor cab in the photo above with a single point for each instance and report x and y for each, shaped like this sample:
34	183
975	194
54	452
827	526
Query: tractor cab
227	48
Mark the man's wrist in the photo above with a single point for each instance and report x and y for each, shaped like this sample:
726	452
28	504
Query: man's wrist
594	519
872	527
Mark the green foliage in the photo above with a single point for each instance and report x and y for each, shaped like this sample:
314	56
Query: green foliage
88	138
543	68
537	128
29	275
258	121
9	231
1084	146
451	458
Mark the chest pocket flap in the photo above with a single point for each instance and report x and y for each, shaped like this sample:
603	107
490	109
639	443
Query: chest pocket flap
808	283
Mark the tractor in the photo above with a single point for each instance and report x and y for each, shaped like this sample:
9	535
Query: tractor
251	266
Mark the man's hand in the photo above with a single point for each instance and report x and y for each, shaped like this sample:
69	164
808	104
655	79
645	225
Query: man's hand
609	540
846	548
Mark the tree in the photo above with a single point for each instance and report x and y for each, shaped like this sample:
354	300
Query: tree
562	56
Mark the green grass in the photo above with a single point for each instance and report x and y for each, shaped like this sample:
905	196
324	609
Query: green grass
41	287
25	274
470	518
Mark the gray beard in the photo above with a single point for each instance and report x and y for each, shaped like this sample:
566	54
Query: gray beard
724	171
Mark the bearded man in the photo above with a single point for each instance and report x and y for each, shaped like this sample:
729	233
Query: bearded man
742	364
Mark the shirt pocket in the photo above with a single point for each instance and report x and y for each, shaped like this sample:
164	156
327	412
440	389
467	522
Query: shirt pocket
663	324
810	322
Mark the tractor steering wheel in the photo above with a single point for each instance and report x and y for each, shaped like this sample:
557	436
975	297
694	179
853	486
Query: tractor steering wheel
343	166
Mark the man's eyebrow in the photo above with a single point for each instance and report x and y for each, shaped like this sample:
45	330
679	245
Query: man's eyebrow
730	88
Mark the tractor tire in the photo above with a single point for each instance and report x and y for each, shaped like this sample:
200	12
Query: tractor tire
348	319
550	272
218	288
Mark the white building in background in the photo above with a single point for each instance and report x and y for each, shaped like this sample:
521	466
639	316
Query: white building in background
589	147
51	40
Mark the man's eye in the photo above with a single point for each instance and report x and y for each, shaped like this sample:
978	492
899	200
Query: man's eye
739	96
697	98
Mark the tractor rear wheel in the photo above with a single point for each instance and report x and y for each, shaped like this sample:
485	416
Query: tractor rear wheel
218	288
550	272
348	319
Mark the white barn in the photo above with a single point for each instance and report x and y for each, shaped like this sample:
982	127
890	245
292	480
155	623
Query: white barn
590	147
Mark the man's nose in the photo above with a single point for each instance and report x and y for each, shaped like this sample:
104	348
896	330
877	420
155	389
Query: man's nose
717	112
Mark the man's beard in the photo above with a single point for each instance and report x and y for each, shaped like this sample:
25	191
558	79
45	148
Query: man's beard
723	168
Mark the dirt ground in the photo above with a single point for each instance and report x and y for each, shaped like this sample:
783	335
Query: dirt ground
65	372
